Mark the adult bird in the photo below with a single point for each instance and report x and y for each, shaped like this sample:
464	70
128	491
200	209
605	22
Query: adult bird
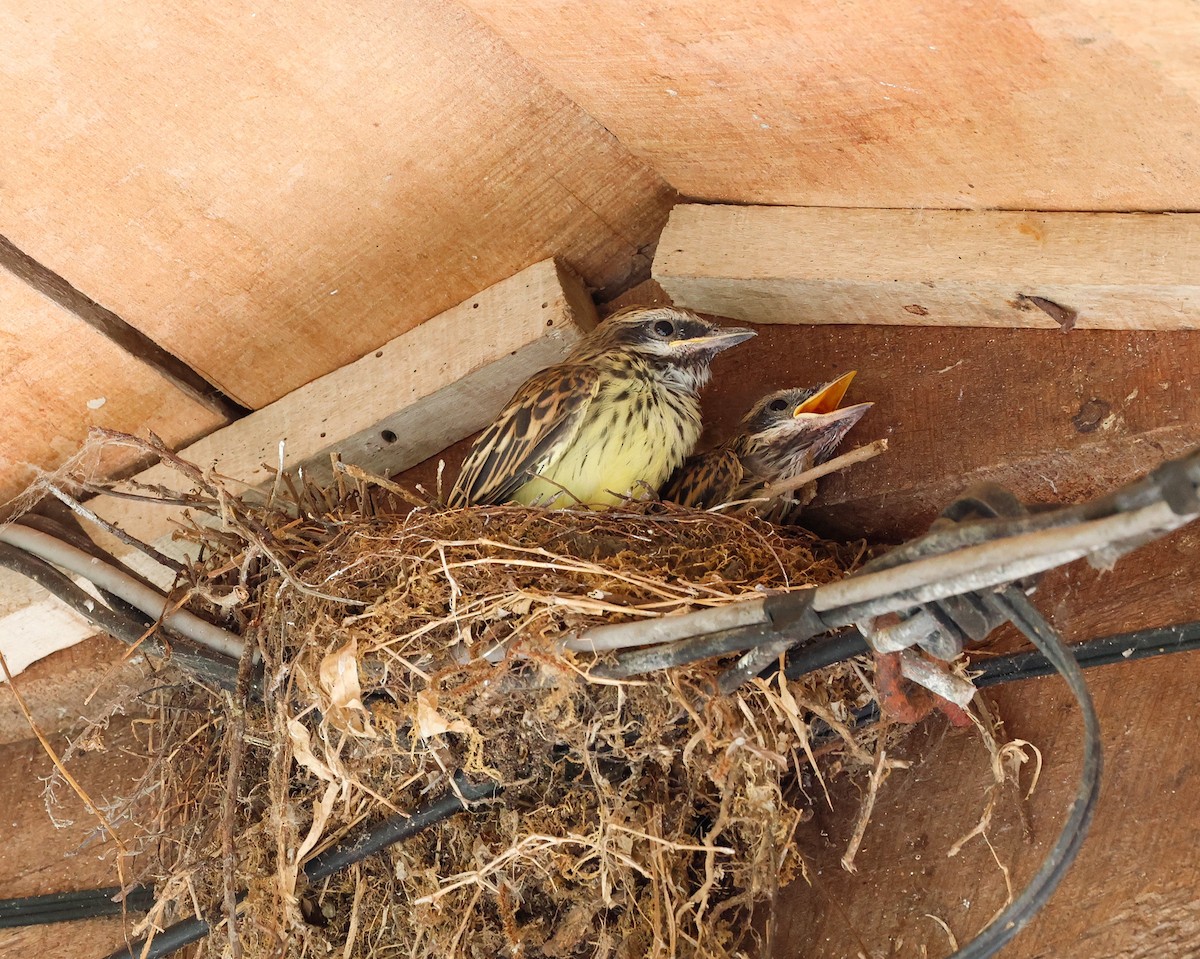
784	434
621	411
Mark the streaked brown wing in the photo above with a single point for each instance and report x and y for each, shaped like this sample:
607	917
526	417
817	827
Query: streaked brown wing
706	480
539	422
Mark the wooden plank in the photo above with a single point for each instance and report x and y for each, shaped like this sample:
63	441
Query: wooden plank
125	337
60	377
878	103
39	857
270	194
384	412
70	686
934	267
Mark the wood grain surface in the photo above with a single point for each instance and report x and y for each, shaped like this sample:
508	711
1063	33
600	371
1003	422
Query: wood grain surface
1117	271
269	193
1026	104
61	377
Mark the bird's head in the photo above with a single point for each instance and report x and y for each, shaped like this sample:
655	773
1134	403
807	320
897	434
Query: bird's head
677	342
794	427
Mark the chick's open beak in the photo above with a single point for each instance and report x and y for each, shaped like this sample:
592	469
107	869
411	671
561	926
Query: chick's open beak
837	422
827	398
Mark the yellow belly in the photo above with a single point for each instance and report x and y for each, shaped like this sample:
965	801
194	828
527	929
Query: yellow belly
609	461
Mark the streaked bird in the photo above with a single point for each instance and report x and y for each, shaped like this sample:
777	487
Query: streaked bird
622	410
784	434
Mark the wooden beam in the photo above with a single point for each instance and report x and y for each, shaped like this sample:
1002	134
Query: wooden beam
61	377
934	267
1071	105
384	412
270	194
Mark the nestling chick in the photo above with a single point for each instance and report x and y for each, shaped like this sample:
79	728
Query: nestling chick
784	434
622	410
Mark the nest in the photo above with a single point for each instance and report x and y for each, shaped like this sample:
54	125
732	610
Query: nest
408	652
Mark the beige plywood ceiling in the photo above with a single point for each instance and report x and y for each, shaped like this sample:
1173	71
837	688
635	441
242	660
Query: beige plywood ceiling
62	377
1031	104
272	192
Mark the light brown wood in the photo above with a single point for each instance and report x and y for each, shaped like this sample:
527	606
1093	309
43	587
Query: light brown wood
384	412
269	193
1030	104
934	267
70	686
61	377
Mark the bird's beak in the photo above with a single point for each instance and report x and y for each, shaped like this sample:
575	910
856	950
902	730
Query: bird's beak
826	399
839	420
723	339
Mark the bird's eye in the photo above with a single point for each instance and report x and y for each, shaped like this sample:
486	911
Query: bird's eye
664	328
778	406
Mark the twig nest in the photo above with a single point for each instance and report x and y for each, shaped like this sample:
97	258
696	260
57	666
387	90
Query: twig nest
637	818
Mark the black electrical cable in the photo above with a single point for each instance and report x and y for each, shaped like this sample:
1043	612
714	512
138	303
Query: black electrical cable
801	660
125	626
391	830
69	906
1013	605
1171	482
1117	648
1014	667
1105	651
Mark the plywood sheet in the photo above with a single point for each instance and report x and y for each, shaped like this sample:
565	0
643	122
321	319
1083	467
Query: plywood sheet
270	192
770	264
1030	104
60	377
